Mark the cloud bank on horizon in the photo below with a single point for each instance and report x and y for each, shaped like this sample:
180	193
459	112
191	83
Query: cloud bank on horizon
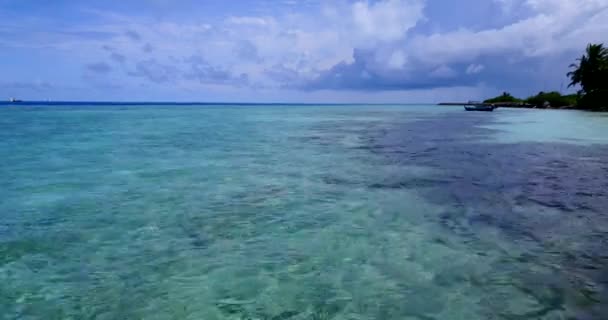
293	51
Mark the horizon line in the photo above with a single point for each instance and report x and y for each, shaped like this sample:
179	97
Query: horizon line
101	102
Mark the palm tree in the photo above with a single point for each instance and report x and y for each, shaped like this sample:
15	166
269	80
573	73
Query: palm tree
576	76
591	73
590	67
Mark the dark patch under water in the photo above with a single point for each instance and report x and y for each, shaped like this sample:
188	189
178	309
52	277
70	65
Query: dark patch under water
538	194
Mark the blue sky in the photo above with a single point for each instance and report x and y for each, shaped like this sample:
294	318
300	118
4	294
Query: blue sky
292	51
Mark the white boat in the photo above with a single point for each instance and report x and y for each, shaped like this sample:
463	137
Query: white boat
480	107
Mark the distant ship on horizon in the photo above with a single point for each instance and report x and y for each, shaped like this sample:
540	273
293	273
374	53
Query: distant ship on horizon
14	100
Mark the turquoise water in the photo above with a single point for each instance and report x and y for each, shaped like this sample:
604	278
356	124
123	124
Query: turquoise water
302	212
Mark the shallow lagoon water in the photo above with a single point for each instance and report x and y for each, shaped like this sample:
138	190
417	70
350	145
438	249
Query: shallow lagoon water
302	212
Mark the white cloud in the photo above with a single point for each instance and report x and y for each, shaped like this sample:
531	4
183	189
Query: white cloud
299	46
386	20
474	68
397	60
546	32
443	72
564	7
254	21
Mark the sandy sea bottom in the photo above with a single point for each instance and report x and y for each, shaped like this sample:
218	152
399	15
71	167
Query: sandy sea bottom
302	212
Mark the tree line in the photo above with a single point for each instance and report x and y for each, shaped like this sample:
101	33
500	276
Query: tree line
590	73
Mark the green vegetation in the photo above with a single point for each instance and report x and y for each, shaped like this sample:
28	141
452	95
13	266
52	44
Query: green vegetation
553	98
541	100
504	98
590	73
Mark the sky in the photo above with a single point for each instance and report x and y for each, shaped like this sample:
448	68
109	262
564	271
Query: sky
382	51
